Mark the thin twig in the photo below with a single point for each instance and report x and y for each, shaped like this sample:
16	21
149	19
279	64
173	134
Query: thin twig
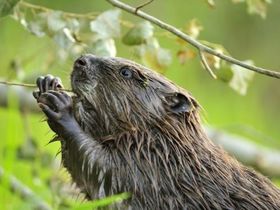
192	41
205	64
143	5
27	85
90	15
18	84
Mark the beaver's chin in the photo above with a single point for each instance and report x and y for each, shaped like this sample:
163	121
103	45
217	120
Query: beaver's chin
83	88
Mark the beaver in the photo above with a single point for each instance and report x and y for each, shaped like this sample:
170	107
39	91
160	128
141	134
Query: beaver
129	129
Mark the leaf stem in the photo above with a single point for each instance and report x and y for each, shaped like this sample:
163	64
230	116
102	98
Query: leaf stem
206	65
143	5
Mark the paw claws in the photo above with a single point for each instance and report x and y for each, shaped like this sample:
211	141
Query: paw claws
36	94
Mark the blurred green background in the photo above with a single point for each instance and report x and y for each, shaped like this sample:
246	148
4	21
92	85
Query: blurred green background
255	115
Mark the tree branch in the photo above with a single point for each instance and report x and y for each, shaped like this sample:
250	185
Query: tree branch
263	159
26	85
200	47
18	84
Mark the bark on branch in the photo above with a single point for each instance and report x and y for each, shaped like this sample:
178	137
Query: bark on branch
199	46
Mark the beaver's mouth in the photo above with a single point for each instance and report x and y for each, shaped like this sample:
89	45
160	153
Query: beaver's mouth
82	85
83	80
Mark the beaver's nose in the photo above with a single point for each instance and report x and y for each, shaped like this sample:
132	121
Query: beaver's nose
85	60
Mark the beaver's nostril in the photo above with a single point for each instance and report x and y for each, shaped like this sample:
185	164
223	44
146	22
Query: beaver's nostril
84	61
81	62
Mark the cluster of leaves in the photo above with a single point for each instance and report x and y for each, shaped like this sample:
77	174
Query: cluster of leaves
235	76
258	7
75	34
78	33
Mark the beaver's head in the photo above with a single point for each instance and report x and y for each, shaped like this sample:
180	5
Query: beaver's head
118	95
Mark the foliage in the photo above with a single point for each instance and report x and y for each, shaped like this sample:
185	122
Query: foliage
102	202
6	7
76	34
258	7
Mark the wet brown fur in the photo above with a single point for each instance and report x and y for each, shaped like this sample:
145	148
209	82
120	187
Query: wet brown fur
135	143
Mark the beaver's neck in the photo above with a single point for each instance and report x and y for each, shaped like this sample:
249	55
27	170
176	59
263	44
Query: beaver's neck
184	167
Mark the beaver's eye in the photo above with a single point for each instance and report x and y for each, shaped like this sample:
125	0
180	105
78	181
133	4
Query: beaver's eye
126	73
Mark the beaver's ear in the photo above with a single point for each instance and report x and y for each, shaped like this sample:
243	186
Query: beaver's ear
179	103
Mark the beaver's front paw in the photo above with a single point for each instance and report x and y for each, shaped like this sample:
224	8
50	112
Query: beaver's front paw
57	106
47	83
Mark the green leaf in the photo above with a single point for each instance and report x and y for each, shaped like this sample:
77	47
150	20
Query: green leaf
107	24
164	57
38	26
185	55
241	78
35	23
211	3
102	202
73	24
237	77
154	56
193	28
55	21
64	38
139	34
103	47
258	7
6	7
36	29
224	73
